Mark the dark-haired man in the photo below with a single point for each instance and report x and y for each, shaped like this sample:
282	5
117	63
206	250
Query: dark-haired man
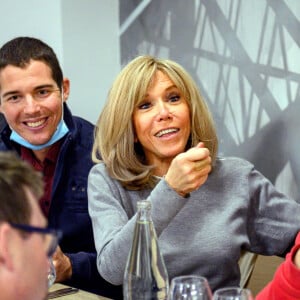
42	130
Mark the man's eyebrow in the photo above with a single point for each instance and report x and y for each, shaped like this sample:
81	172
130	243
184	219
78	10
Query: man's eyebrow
10	93
44	86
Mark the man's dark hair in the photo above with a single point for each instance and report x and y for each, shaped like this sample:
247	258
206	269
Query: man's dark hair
15	176
21	50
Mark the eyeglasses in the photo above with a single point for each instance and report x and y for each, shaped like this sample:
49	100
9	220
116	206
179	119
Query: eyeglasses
53	235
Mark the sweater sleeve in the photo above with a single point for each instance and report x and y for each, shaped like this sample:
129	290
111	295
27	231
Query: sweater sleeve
113	226
273	218
286	281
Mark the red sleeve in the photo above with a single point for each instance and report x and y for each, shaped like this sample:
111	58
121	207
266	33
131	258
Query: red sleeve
286	281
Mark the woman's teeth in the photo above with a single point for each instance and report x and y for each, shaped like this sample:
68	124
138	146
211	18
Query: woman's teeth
166	131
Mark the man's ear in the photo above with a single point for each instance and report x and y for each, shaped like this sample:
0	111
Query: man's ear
7	236
66	89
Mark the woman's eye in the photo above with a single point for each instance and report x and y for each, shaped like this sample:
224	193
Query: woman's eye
174	98
144	105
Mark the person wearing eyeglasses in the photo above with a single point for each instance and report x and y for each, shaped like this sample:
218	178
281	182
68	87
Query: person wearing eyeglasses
26	242
42	130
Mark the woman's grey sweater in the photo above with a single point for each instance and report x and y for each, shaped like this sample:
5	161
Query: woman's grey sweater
237	208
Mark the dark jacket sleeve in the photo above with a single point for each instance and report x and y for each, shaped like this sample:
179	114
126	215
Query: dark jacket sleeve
84	264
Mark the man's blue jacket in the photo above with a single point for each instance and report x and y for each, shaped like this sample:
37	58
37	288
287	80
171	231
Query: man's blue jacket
69	203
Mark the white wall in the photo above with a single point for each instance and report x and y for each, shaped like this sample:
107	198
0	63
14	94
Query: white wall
91	52
37	18
84	35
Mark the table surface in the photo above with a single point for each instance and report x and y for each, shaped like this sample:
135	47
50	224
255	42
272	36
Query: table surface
80	295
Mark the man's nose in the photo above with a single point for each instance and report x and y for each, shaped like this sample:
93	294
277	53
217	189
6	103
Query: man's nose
31	104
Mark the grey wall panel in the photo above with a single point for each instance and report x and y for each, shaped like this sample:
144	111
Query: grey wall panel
245	57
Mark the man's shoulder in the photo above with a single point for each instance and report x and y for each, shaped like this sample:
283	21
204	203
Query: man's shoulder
83	124
83	135
76	123
84	128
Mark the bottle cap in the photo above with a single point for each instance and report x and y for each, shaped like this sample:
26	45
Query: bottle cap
144	204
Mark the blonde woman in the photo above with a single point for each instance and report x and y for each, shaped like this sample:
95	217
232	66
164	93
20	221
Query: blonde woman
158	141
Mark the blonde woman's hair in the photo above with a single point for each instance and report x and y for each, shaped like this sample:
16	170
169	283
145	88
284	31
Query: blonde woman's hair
114	134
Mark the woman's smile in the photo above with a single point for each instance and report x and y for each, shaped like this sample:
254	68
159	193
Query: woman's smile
162	121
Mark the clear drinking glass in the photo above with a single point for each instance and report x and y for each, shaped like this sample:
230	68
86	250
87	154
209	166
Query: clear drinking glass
51	273
233	293
190	287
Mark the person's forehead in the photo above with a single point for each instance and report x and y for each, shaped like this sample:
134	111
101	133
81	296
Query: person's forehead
34	73
31	66
160	80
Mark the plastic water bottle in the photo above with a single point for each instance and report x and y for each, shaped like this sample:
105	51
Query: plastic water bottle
145	276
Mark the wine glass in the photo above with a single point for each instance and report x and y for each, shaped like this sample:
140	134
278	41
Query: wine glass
190	287
51	273
233	293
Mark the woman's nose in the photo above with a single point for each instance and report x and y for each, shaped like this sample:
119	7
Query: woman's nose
163	111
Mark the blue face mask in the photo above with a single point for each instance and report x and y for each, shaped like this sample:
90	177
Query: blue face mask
60	132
